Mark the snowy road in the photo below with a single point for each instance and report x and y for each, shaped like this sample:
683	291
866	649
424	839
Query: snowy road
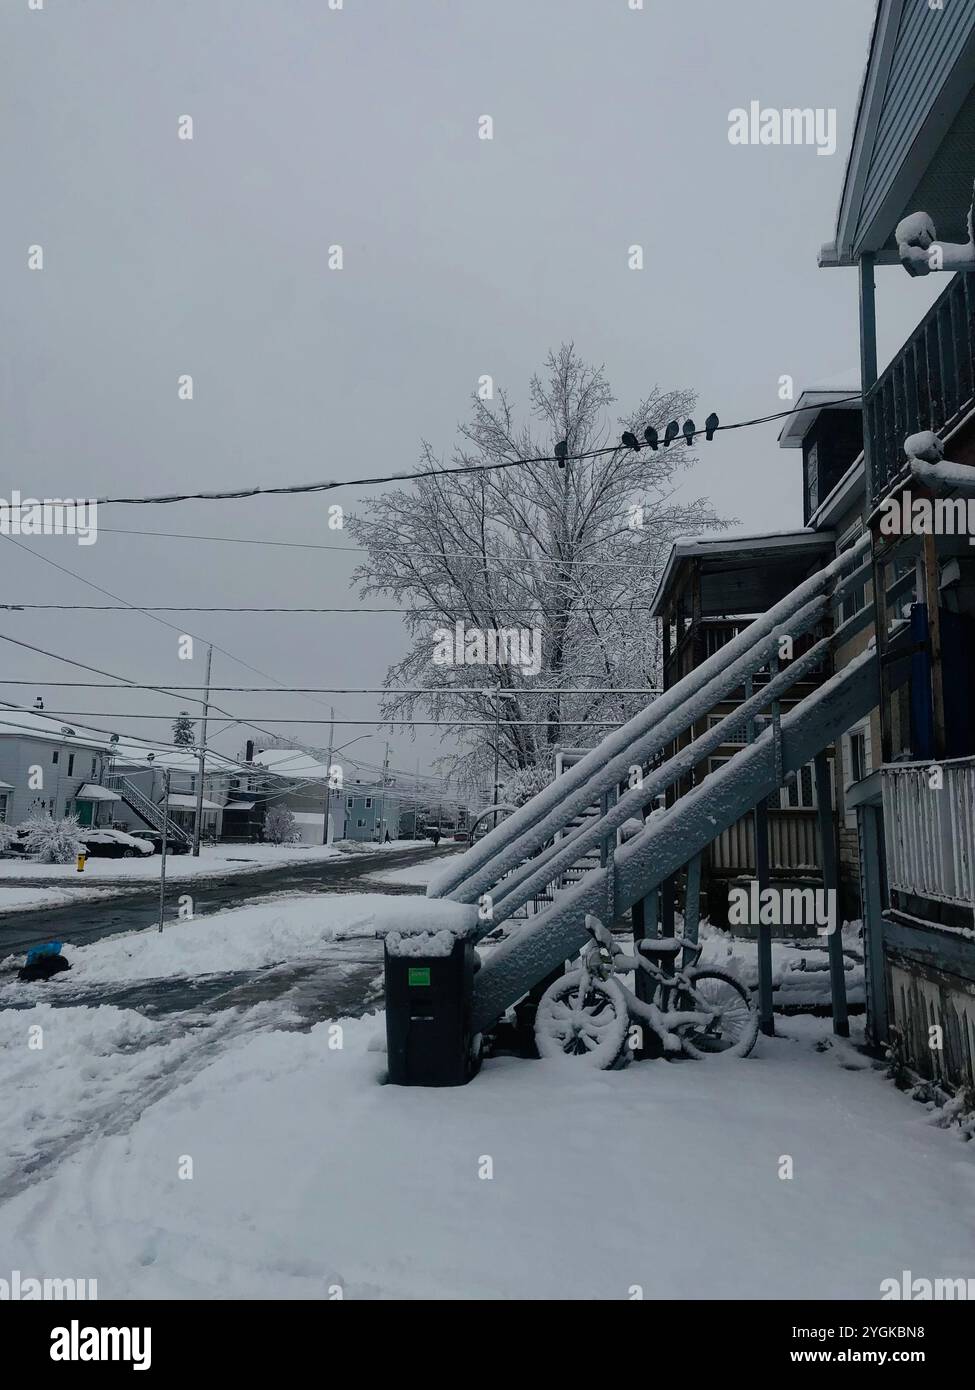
85	921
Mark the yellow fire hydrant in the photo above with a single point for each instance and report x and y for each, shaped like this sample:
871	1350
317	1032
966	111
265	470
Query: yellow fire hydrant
81	861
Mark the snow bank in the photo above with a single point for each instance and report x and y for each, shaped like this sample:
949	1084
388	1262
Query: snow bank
251	938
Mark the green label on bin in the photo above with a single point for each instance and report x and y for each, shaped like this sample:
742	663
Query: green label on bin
419	974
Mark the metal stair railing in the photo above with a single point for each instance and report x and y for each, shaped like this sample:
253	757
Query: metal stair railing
638	742
672	837
143	806
558	857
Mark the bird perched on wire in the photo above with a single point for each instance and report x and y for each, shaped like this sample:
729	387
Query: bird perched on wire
710	425
651	436
689	431
630	441
671	433
561	449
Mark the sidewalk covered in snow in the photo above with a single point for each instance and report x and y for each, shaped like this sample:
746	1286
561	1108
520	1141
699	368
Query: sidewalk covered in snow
799	1173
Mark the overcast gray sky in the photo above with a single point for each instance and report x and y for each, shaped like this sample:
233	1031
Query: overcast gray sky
359	126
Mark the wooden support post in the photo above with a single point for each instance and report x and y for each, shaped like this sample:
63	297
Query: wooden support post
827	837
868	363
932	599
668	906
692	904
881	632
645	925
871	833
766	1018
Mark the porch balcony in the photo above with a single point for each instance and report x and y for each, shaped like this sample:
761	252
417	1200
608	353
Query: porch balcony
929	385
930	841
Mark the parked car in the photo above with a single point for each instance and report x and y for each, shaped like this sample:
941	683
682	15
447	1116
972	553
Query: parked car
154	839
101	842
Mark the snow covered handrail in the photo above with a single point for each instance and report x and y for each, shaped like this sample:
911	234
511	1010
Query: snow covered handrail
606	766
921	251
926	451
531	877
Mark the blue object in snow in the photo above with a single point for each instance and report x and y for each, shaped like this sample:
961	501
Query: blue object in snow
50	948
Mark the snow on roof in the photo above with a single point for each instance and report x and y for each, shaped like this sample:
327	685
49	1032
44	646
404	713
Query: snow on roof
735	545
291	762
128	752
829	394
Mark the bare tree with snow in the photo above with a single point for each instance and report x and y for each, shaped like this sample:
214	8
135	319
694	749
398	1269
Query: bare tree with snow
571	552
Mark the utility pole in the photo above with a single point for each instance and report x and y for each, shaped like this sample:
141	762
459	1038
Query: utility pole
162	866
497	753
382	796
328	769
203	754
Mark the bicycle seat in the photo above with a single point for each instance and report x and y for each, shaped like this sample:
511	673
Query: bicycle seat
659	945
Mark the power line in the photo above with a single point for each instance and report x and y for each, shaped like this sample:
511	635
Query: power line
238	608
153	618
329	486
340	690
354	549
369	723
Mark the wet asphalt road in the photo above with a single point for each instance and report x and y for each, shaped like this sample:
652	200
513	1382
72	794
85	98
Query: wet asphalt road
80	923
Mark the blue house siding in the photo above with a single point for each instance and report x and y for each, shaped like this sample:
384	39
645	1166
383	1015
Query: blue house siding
930	45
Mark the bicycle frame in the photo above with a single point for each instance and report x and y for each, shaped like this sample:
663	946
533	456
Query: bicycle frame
605	959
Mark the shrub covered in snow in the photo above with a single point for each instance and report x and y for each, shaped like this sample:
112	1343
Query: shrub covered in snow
280	827
50	841
525	784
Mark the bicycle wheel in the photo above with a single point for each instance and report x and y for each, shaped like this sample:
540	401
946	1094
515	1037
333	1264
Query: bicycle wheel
732	1030
593	1027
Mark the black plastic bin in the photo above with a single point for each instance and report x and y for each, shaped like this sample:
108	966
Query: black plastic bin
428	1016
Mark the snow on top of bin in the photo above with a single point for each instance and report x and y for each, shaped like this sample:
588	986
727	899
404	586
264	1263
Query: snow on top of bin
422	943
421	927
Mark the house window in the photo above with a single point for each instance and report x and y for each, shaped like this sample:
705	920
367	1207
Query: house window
94	764
799	793
3	807
70	764
368	803
858	756
54	756
735	736
812	479
360	823
348	803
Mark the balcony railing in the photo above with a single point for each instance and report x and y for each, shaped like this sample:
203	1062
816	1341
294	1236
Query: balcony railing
930	831
929	385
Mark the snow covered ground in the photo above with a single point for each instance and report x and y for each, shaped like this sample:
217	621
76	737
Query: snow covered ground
19	899
290	929
416	874
233	1153
308	1176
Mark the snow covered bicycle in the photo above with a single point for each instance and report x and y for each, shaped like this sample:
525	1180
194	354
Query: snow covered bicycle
699	1011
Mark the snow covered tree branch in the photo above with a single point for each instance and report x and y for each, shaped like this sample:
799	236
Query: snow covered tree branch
573	552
